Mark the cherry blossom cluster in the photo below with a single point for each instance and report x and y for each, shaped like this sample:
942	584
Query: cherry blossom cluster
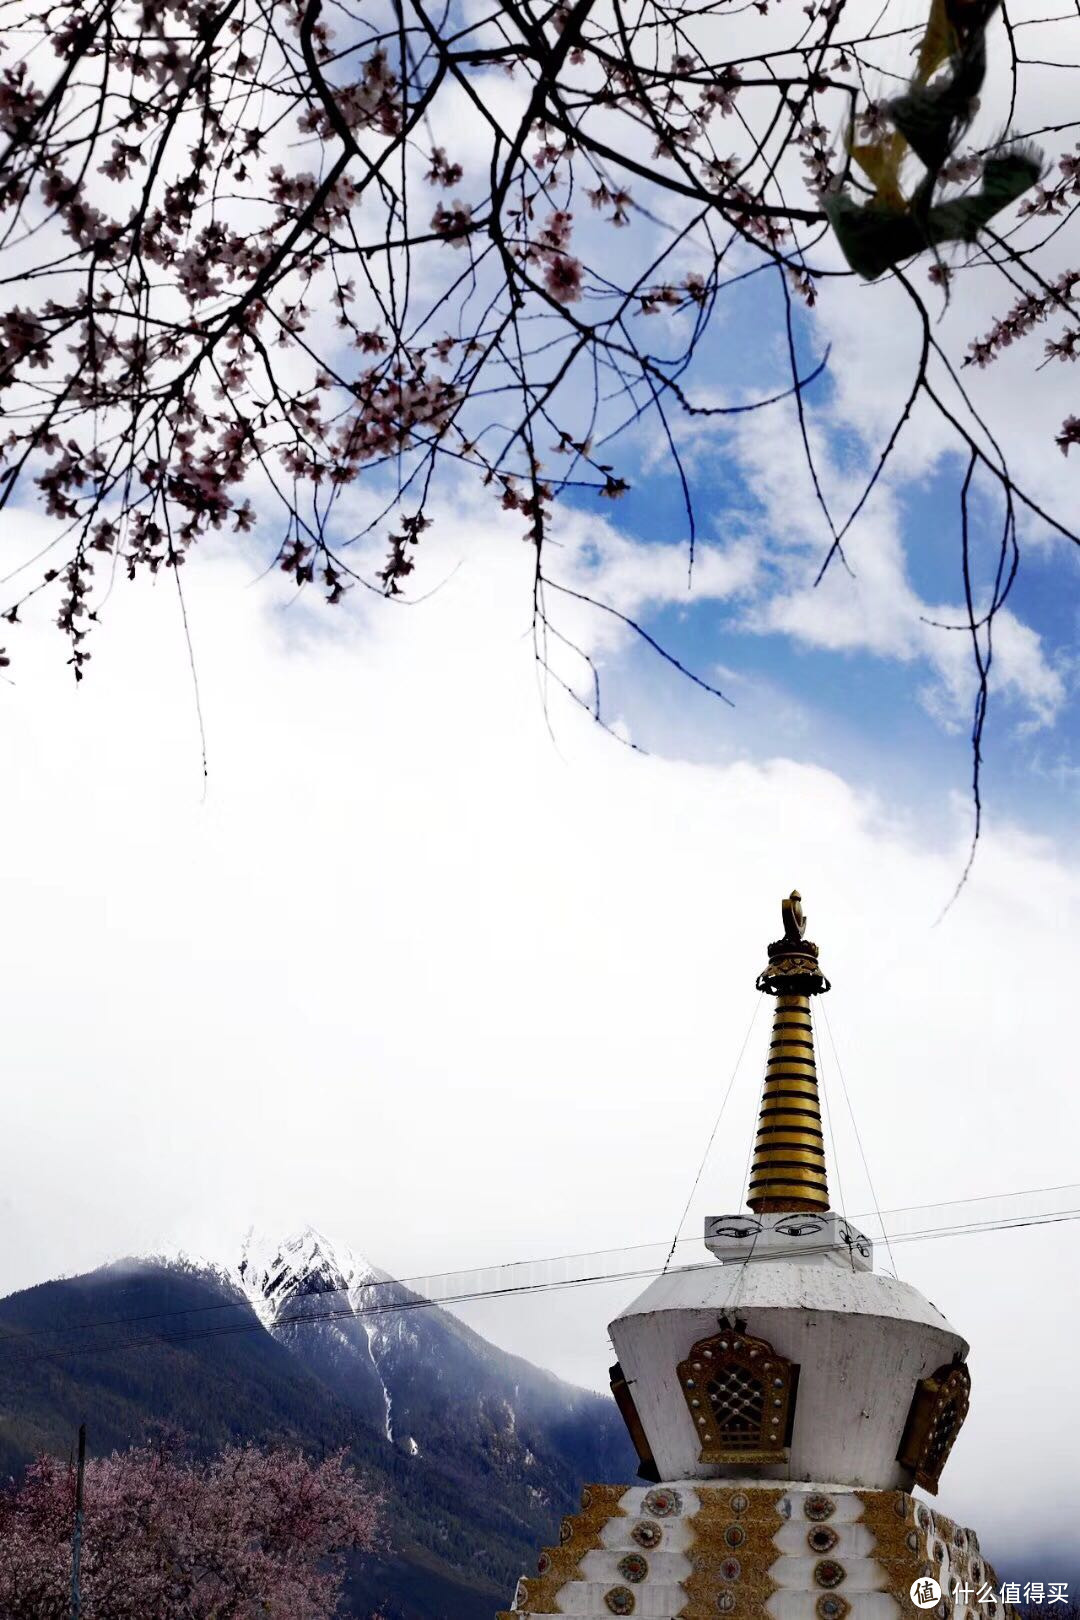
1027	313
1060	197
1030	311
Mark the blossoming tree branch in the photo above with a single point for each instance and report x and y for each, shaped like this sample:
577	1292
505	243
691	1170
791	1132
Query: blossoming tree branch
259	253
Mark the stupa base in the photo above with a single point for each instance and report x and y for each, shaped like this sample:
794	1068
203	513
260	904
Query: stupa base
695	1550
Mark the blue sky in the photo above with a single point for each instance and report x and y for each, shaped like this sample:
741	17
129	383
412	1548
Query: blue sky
852	709
889	707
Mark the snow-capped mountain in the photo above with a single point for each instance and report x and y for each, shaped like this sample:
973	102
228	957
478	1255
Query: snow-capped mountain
323	1302
273	1271
297	1340
428	1383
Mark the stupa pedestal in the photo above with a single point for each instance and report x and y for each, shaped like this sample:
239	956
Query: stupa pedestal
695	1549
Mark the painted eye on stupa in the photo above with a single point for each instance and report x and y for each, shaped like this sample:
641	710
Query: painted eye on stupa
802	1229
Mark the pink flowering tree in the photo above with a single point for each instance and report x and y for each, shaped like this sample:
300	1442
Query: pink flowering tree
258	254
251	1535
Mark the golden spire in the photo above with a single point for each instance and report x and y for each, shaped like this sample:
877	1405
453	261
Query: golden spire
789	1153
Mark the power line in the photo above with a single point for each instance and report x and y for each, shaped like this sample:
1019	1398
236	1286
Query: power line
716	1127
977	1198
417	1302
858	1139
423	1282
832	1134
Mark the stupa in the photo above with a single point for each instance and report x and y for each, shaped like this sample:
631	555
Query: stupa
784	1403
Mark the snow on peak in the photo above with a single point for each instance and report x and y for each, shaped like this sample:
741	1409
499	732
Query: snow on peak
274	1271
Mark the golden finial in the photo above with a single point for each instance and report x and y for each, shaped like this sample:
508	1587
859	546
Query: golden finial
794	916
789	1153
793	960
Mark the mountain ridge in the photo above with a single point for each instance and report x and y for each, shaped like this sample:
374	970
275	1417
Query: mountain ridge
477	1452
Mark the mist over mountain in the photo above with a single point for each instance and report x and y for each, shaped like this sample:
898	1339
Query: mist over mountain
478	1452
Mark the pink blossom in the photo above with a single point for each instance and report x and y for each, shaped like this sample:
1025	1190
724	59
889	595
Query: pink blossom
453	223
253	1534
1069	435
442	172
562	278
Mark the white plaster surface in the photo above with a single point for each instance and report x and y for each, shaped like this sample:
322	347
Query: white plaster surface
665	1566
852	1540
863	1574
789	1605
652	1601
861	1342
677	1532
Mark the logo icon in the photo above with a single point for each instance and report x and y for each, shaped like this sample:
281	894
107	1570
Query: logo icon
925	1592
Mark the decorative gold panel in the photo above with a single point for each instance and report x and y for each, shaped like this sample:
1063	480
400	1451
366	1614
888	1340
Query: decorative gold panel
731	1553
938	1409
911	1542
741	1397
580	1534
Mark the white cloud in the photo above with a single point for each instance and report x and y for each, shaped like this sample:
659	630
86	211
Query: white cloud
871	606
454	993
631	575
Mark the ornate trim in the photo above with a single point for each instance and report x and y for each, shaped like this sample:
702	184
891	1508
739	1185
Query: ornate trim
938	1409
741	1397
793	960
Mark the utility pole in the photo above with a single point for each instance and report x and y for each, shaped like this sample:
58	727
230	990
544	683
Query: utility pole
76	1540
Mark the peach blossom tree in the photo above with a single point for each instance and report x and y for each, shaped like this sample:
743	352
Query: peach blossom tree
248	1535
